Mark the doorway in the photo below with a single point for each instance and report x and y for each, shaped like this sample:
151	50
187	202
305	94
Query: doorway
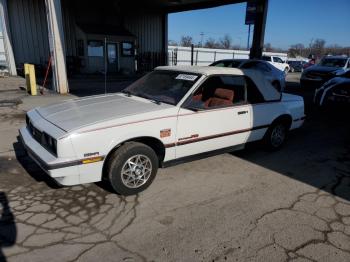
112	57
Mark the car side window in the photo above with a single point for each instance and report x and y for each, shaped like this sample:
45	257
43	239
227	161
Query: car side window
277	60
256	65
254	95
219	92
221	64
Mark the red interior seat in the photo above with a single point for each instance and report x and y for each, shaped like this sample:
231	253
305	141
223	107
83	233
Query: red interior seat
222	97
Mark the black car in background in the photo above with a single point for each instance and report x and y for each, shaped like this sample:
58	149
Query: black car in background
296	65
329	67
334	92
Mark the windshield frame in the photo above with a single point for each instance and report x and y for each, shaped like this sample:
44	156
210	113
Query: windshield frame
157	101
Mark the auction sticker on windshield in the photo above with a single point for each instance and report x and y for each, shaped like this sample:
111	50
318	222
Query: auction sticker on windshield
186	77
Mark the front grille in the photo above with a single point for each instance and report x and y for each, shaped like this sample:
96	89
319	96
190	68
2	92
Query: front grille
314	75
42	138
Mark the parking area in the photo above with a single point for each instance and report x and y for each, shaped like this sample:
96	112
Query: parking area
250	205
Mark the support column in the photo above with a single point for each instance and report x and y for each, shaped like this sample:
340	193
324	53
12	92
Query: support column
259	29
10	59
56	42
165	38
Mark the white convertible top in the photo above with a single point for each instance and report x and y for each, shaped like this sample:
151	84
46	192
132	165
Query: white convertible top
265	87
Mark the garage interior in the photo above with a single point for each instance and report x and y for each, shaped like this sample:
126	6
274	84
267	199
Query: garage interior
82	37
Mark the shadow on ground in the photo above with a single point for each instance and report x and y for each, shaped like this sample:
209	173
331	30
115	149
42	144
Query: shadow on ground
317	154
8	230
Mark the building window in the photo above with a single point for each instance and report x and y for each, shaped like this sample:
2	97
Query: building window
80	47
95	48
127	49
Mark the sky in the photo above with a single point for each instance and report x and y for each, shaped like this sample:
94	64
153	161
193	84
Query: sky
288	22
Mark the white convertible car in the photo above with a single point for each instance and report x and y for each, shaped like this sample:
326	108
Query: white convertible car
171	115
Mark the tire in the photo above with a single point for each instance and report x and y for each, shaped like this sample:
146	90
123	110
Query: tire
132	168
276	136
286	70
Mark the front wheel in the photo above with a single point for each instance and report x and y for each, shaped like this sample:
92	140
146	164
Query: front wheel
276	136
132	168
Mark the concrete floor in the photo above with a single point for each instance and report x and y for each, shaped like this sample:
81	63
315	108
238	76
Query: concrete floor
251	205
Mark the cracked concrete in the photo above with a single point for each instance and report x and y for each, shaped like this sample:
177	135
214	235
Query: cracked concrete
252	205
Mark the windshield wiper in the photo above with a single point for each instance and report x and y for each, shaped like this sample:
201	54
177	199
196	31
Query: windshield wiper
129	94
150	99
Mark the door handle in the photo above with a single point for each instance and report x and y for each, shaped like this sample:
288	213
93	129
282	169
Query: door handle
242	112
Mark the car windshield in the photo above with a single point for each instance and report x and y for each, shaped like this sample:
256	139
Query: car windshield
163	86
333	62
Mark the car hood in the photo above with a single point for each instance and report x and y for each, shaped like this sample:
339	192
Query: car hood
77	113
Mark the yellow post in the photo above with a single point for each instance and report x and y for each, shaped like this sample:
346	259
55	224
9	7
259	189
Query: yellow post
26	75
32	80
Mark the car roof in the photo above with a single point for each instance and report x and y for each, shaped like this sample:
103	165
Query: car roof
230	59
267	90
204	70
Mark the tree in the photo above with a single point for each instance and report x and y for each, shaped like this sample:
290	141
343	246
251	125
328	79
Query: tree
172	42
211	43
297	50
317	47
268	47
186	40
226	42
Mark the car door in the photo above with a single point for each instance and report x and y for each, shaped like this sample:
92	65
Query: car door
278	63
209	121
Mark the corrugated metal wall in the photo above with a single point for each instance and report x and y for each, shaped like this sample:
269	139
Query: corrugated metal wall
148	28
30	35
69	27
29	31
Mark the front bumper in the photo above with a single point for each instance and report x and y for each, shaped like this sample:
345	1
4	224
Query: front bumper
311	83
64	171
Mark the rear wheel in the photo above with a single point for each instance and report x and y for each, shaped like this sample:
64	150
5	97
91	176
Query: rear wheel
276	135
132	168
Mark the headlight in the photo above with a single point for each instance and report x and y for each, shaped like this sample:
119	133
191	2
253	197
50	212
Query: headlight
49	143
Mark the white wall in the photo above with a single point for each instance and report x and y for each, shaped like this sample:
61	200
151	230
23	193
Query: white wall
206	56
